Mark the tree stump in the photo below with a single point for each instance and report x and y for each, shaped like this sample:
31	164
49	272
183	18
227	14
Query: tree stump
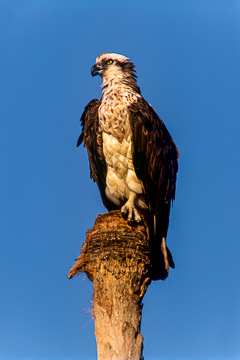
116	258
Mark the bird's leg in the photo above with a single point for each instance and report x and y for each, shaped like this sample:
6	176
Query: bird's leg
129	209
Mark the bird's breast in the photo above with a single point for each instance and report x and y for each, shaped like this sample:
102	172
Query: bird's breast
121	177
118	154
117	147
114	120
113	113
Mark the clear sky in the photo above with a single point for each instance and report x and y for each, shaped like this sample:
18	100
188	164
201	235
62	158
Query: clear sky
187	60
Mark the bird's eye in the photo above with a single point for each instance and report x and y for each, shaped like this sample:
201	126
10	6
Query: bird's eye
109	62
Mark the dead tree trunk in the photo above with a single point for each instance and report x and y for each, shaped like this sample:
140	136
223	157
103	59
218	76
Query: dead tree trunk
116	257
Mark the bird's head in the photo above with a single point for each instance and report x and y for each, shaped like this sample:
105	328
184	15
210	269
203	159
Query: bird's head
111	66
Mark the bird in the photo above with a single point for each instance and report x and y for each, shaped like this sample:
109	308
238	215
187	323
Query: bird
132	156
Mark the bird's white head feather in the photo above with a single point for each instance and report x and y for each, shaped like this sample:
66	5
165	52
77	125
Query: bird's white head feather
115	68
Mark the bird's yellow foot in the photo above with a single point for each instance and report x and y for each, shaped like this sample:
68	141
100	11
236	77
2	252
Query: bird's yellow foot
131	212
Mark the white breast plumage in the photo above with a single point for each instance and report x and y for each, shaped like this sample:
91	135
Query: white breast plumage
121	178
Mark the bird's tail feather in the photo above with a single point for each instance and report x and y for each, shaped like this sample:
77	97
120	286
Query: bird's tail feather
161	257
161	260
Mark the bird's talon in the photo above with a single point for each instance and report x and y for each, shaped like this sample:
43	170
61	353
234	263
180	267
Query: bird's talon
124	210
130	215
133	215
137	217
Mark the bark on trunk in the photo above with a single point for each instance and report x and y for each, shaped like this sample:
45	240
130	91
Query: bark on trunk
116	258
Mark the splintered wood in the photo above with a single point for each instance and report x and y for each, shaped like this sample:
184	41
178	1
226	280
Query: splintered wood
116	258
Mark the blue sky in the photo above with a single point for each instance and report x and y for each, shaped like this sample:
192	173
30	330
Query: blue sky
187	60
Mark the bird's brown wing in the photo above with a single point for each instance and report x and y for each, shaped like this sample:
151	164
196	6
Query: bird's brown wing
154	154
155	159
92	139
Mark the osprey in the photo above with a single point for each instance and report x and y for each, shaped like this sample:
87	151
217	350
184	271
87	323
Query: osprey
132	156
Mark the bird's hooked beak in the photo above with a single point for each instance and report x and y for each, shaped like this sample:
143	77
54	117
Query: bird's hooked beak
95	70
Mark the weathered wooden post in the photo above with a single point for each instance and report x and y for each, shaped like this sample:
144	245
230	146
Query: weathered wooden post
116	258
